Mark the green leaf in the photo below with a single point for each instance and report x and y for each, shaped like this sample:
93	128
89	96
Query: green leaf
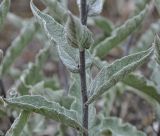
36	124
18	125
92	117
4	8
120	34
99	63
52	95
103	23
32	74
118	128
49	109
109	101
143	85
157	48
3	112
56	32
75	92
15	49
74	31
155	75
118	70
77	34
86	38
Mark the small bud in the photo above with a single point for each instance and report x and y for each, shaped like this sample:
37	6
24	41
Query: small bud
78	35
73	30
87	39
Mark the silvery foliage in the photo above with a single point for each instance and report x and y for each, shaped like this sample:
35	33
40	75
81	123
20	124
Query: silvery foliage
67	36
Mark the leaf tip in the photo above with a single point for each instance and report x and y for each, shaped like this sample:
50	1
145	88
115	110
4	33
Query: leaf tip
157	48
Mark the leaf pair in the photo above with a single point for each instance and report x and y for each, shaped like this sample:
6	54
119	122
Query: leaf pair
56	33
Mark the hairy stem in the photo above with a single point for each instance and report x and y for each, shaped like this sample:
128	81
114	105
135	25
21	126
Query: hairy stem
83	13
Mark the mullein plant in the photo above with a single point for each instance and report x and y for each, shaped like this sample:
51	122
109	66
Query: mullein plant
76	48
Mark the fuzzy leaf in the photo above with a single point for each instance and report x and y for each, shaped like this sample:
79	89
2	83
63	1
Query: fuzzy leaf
52	95
86	38
74	31
157	48
75	92
37	124
18	125
49	109
118	70
120	34
77	34
4	8
18	45
155	75
109	101
118	128
103	23
142	85
55	32
32	74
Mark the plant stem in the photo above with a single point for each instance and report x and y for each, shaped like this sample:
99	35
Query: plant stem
84	90
2	90
83	13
